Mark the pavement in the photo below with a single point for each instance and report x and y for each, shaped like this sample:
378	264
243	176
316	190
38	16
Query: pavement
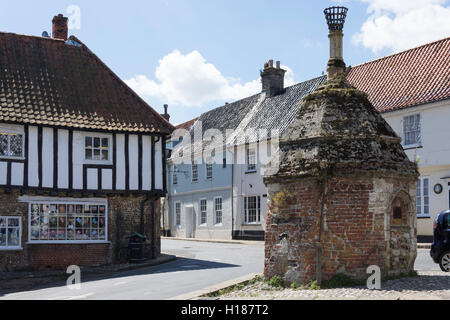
199	265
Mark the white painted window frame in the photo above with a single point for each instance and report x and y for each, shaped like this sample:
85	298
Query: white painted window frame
13	248
66	202
422	197
250	167
216	211
201	223
196	175
209	169
417	143
101	136
10	131
258	209
174	175
177	214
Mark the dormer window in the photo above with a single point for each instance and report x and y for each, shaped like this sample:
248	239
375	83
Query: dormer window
11	144
97	148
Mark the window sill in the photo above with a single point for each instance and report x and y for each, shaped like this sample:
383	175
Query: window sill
12	158
250	171
423	217
412	147
98	162
11	249
256	224
67	242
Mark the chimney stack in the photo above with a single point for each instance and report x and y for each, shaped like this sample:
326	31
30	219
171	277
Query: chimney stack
272	79
166	115
60	27
335	17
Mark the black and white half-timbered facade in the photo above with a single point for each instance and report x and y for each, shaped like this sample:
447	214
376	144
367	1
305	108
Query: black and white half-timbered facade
82	157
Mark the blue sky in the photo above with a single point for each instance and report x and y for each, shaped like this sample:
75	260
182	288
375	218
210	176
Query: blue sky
198	54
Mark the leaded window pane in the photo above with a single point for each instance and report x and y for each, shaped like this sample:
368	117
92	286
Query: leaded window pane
4	144
16	147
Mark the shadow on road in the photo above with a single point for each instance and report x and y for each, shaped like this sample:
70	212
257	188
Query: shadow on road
178	265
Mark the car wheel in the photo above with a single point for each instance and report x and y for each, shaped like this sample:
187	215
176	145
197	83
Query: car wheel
444	262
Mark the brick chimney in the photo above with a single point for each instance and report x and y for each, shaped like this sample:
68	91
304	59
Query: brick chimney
166	115
272	79
60	27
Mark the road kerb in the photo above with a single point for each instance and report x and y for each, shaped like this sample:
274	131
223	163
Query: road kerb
195	295
247	242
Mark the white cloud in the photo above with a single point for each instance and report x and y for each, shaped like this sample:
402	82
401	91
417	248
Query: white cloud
402	24
188	80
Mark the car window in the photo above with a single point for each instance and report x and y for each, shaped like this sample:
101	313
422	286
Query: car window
447	221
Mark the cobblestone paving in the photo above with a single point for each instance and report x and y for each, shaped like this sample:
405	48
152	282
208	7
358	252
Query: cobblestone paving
428	285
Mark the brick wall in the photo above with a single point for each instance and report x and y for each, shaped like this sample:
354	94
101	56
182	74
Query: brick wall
354	233
124	219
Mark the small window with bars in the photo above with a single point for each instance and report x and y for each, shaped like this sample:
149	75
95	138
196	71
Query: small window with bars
412	130
97	148
203	211
11	145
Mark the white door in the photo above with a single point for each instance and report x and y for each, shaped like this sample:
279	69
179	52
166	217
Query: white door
189	222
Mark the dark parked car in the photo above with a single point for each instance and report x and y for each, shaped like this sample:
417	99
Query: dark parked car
440	249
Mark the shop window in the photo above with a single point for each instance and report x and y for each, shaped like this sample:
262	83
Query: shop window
68	222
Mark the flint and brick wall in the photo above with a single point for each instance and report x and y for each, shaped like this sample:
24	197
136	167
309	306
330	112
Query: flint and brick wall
124	219
356	228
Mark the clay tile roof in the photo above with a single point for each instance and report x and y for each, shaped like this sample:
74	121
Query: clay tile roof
413	77
51	82
187	125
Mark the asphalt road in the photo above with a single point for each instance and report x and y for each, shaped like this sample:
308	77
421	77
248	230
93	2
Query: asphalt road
200	265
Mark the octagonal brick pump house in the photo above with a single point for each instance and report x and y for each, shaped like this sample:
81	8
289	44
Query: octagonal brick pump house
341	190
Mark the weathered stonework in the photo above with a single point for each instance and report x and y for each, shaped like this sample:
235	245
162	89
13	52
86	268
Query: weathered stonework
341	197
124	219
